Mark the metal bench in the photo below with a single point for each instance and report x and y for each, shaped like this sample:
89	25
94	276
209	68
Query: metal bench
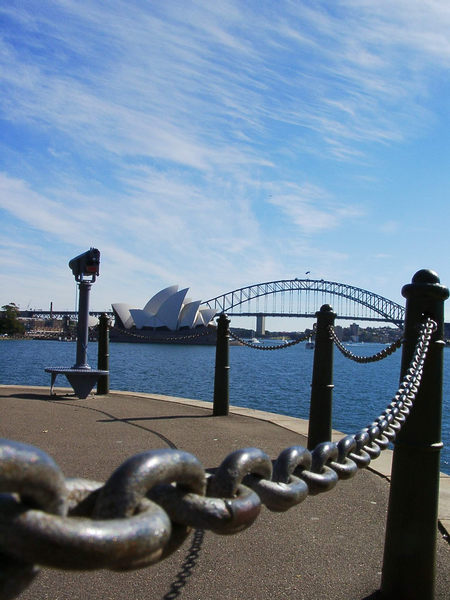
82	380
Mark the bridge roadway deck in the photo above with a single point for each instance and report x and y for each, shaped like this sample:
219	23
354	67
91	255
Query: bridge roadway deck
328	547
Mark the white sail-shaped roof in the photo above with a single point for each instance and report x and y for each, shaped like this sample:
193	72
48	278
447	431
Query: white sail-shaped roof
170	310
92	321
123	312
142	319
189	314
205	316
198	320
156	301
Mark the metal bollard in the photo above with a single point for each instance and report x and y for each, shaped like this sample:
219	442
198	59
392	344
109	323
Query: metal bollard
319	428
103	354
410	543
222	369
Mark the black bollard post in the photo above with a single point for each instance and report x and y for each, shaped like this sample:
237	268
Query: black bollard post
103	354
319	429
222	370
410	544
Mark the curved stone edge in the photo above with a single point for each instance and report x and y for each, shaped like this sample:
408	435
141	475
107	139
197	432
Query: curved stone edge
380	466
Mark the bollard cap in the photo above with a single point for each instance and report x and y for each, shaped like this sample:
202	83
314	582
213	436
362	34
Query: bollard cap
426	282
326	310
426	276
223	318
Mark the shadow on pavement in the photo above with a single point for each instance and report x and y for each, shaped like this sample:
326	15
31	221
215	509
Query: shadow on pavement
43	397
163	418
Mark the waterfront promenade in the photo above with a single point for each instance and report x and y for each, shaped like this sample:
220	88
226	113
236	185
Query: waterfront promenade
328	547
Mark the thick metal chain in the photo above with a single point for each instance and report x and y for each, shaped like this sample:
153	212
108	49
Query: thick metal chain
364	359
148	505
271	347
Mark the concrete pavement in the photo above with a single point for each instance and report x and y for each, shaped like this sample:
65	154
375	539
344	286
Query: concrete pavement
328	547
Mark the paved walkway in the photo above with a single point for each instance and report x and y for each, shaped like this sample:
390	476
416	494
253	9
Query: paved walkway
329	547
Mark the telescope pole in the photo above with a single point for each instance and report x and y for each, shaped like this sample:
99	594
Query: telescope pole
83	325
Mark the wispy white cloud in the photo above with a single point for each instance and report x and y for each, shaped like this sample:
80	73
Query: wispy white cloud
157	131
160	230
70	219
312	209
145	82
390	227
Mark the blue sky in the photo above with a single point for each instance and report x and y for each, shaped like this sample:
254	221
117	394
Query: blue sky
221	144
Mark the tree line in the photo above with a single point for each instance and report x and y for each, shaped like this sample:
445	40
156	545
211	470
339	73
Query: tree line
9	320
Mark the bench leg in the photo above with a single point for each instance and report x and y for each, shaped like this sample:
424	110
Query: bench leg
52	383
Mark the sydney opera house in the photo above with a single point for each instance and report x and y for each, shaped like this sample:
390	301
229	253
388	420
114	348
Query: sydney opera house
169	316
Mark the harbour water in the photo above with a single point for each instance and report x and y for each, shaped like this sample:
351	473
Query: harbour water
276	381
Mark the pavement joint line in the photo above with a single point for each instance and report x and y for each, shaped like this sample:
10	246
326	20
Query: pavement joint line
381	466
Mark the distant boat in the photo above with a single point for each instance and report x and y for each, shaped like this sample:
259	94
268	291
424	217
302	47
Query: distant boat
309	344
253	339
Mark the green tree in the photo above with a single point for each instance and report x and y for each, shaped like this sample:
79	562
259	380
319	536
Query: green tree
9	320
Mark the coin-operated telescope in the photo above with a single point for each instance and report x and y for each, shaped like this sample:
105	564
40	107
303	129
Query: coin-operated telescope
86	265
86	268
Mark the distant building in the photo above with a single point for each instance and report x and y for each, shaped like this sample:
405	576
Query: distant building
354	332
167	311
339	331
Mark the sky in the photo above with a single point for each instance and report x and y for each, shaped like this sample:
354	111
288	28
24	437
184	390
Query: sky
216	145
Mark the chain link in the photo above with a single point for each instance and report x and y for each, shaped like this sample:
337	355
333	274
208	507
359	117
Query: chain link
303	338
364	359
146	508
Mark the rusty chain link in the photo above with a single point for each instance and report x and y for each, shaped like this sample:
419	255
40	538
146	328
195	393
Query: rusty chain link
272	347
364	359
146	508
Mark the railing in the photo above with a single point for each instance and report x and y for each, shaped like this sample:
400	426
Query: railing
145	509
409	559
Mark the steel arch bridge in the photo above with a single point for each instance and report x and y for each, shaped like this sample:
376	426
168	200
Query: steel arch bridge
303	297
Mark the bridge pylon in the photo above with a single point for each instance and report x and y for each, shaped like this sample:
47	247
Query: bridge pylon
260	325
